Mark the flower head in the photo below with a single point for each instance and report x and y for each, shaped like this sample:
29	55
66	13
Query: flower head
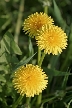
52	39
30	80
35	21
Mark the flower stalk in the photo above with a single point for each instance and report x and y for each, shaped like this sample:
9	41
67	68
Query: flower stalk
17	102
40	60
46	9
39	55
28	101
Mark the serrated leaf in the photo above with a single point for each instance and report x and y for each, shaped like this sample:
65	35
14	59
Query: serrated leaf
9	87
2	79
53	72
5	58
2	50
9	44
3	68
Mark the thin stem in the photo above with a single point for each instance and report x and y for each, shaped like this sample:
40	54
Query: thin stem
39	98
40	95
39	55
17	102
46	9
28	100
33	101
42	58
19	21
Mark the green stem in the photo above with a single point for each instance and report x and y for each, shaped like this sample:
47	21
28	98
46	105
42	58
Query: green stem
17	102
39	55
41	60
33	101
46	9
39	98
28	100
19	21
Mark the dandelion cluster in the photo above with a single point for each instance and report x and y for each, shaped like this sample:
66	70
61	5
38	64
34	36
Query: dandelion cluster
30	80
49	37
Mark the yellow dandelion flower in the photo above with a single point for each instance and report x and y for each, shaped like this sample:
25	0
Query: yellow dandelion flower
52	39
35	21
30	80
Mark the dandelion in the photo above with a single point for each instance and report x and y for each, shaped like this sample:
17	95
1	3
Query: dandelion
30	80
35	21
52	39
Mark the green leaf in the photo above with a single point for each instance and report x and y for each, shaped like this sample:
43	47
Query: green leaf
7	58
2	50
31	51
52	72
47	100
2	79
58	16
4	68
54	61
9	44
2	21
14	59
3	58
23	62
9	87
0	88
69	97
